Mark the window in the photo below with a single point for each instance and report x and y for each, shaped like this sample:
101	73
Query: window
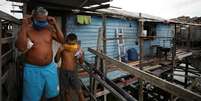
150	28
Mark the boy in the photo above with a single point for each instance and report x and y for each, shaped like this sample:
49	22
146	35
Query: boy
69	53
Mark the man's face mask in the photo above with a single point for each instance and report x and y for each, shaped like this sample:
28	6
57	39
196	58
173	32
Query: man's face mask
40	24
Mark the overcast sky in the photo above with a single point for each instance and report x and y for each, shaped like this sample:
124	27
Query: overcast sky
162	8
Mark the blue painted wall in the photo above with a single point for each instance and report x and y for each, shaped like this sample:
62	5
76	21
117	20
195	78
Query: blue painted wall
129	29
164	30
88	34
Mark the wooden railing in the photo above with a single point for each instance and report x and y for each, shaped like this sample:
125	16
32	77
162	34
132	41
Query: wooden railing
156	81
8	30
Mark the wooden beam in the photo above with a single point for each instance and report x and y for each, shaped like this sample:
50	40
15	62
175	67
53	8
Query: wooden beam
156	81
7	40
8	17
0	60
141	29
104	34
4	77
104	69
173	57
149	68
98	94
181	57
16	11
5	60
103	83
7	54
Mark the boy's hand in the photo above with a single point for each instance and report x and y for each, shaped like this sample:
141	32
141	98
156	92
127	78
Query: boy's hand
79	53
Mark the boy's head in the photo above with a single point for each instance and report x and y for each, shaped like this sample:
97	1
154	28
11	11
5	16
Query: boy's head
71	38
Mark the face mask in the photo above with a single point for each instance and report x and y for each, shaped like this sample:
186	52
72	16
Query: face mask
40	24
70	48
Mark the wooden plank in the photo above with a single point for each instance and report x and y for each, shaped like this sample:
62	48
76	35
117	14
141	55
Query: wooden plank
156	81
149	68
103	83
187	76
4	77
0	60
5	60
141	28
7	40
98	94
7	54
8	17
180	57
134	63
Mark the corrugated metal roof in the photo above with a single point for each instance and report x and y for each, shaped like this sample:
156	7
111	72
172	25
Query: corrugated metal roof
121	12
70	3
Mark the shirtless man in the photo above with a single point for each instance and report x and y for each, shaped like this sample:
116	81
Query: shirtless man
70	54
35	42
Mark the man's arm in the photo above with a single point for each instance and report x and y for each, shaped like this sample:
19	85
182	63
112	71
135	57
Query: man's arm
58	54
59	35
21	42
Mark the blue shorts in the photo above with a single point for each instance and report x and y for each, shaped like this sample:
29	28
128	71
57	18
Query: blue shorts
40	80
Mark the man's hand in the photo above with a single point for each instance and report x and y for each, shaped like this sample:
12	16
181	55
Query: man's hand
51	20
27	20
59	35
26	23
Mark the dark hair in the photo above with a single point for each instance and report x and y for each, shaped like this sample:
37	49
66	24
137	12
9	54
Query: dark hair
71	38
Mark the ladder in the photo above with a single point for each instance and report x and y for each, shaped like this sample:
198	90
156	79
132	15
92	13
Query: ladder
120	43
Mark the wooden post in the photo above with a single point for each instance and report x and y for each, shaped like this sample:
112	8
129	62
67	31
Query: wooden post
63	21
104	35
0	61
98	60
189	38
24	9
174	40
103	65
141	28
101	47
186	73
174	51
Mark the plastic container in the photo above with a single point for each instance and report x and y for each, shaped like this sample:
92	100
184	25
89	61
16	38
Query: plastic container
132	54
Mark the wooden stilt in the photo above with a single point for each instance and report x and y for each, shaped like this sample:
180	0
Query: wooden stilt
141	28
156	81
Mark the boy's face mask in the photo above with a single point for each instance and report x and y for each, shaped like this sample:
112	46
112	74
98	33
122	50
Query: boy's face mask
40	24
71	48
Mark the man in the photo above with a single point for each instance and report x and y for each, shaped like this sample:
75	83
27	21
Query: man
70	53
35	42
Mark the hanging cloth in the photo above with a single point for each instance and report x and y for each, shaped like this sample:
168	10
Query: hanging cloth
82	19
